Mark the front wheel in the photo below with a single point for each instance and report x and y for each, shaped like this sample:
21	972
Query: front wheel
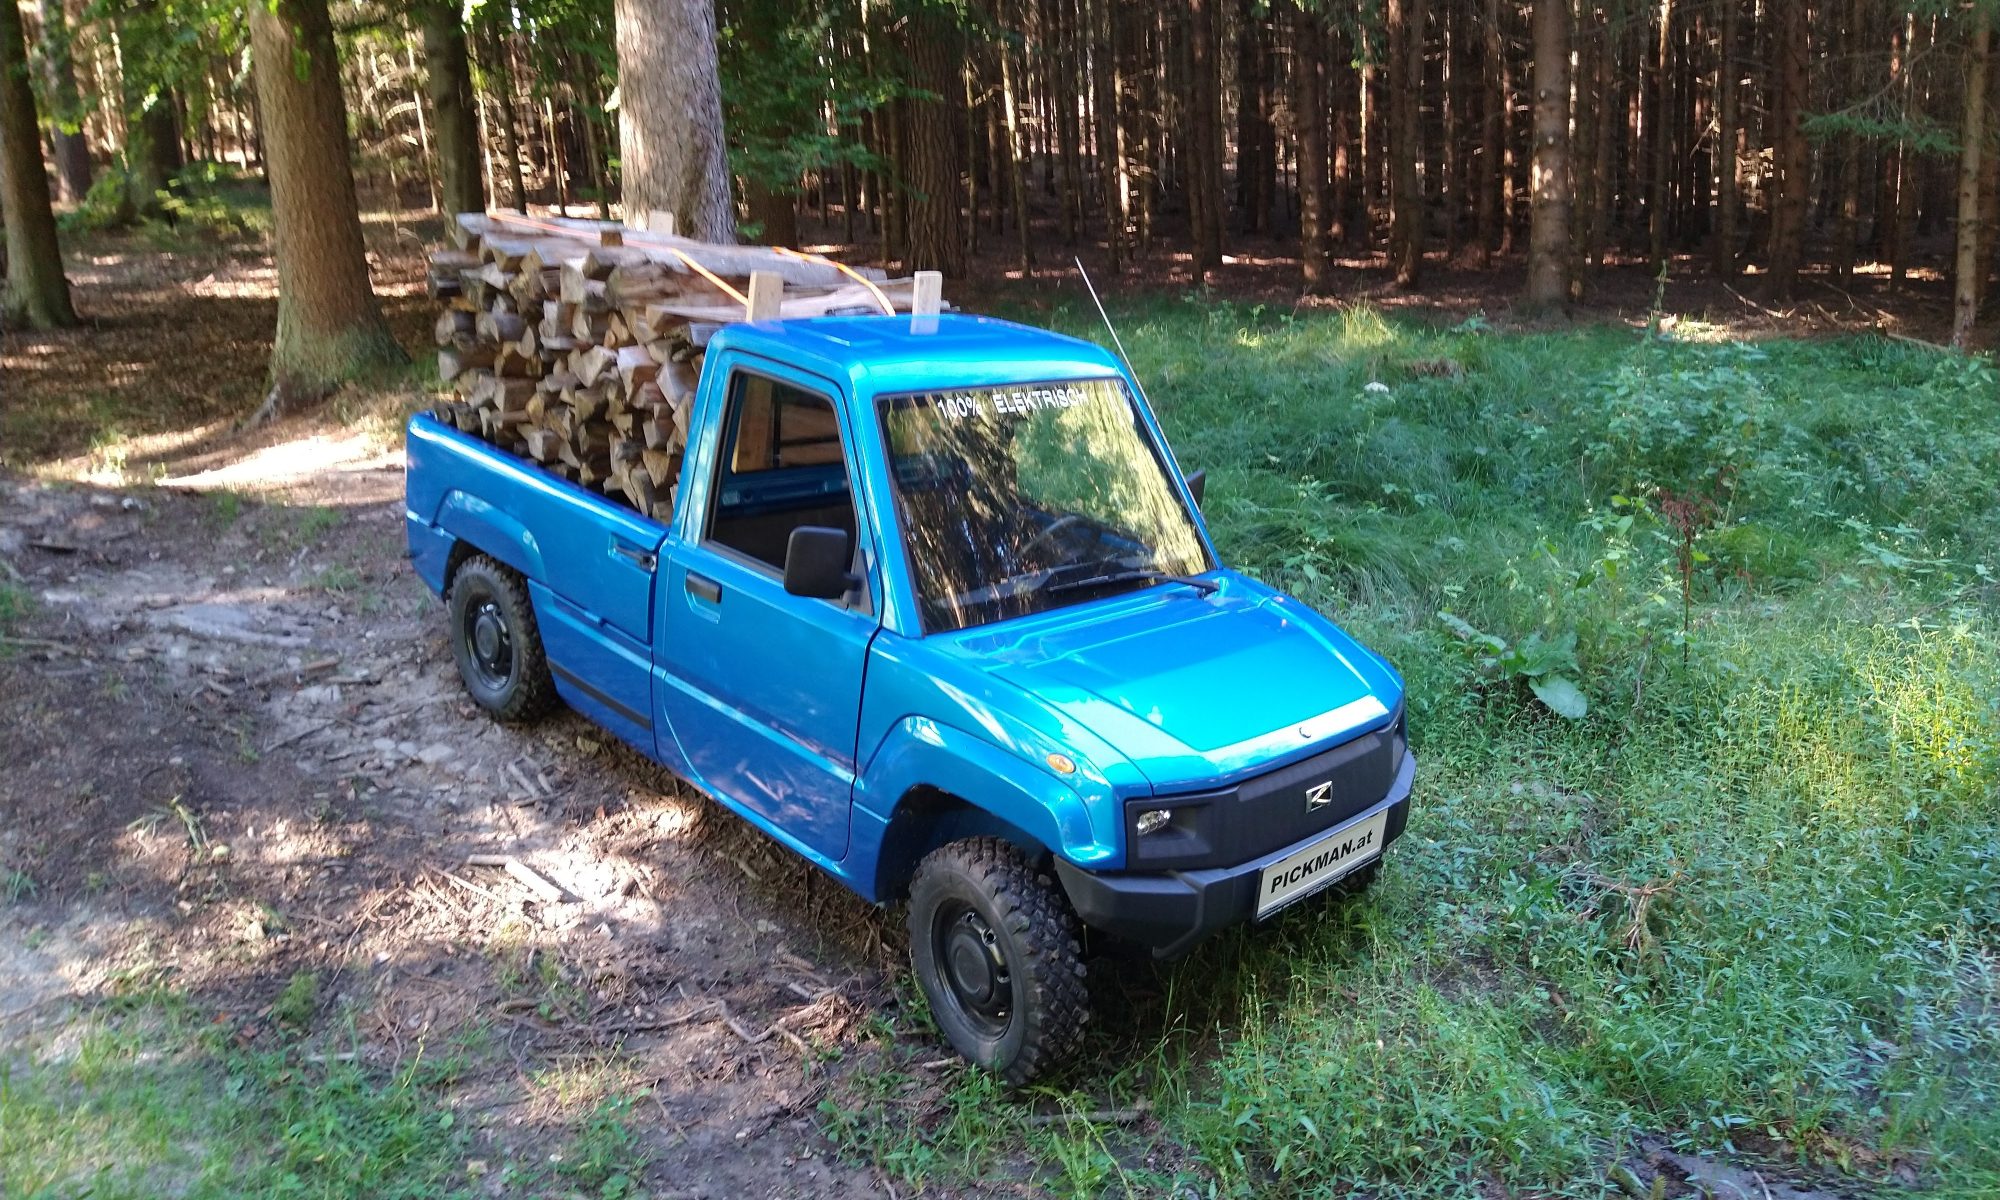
995	947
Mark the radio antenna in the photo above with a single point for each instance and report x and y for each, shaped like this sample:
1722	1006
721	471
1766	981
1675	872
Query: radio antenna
1115	339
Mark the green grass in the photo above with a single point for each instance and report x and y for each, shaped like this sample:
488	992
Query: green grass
150	1096
1749	903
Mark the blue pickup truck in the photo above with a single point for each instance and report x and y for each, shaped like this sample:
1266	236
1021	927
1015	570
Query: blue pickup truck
936	609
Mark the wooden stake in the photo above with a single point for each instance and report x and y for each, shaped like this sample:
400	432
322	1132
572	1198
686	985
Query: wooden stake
767	295
928	299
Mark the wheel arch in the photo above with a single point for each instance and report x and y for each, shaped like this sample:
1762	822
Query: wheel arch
928	816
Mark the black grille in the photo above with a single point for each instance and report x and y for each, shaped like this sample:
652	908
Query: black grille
1257	816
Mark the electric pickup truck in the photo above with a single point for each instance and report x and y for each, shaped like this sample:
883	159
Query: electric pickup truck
937	610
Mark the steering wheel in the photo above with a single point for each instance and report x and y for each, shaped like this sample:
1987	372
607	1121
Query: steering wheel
1066	521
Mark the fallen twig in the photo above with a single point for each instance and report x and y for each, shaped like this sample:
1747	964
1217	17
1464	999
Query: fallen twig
1102	1116
548	892
470	886
31	643
289	738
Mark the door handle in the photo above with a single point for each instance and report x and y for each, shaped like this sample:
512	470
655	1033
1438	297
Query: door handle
701	587
645	560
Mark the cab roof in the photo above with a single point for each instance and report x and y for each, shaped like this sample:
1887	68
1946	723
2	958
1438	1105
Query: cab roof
887	355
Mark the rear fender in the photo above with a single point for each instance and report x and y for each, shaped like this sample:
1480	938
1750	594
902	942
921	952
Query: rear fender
492	532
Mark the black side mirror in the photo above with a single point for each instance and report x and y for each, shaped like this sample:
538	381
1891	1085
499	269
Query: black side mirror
1195	481
816	561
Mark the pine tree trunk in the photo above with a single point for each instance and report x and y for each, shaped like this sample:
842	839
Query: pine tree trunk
1104	81
1791	46
1017	188
775	213
1967	273
1847	222
152	150
35	293
329	328
453	112
72	145
934	240
1492	99
1602	161
1309	101
510	129
672	153
1722	250
1406	201
1659	135
1204	129
1909	170
1549	193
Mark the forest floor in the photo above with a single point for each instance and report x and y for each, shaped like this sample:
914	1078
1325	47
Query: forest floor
242	951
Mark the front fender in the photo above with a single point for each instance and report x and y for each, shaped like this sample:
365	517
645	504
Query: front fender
920	753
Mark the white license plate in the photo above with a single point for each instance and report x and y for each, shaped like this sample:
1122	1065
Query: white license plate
1306	871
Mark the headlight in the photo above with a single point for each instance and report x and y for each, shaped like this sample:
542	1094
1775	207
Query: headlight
1153	820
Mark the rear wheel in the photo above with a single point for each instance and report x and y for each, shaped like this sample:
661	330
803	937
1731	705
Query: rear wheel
496	643
996	949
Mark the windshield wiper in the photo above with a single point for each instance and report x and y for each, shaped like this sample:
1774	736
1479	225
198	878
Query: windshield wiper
1132	575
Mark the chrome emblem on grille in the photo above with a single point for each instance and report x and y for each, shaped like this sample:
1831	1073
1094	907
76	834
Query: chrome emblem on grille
1319	795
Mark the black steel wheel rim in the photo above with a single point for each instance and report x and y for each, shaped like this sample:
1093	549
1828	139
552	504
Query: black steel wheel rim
489	643
972	966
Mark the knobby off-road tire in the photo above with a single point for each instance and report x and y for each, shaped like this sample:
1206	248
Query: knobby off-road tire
496	643
995	946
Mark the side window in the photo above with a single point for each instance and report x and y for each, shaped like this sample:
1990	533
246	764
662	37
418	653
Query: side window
781	467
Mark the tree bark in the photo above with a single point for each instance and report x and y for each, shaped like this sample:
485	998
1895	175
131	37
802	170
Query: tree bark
670	135
934	241
510	129
1204	131
1493	99
1791	45
1310	103
1549	194
1967	270
1406	200
1847	219
1659	134
72	144
1017	188
454	113
1722	250
1104	82
329	328
35	293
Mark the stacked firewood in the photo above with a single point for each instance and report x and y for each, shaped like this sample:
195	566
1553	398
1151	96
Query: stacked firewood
578	344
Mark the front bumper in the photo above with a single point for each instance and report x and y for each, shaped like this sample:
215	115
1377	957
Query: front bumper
1170	911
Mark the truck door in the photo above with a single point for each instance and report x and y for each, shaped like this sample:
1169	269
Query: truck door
762	689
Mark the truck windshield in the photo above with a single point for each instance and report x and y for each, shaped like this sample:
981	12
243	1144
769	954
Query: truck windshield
1016	500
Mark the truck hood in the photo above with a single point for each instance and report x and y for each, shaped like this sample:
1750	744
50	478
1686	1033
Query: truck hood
1192	689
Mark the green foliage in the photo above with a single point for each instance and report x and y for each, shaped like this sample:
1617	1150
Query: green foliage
16	602
777	81
296	1005
1748	905
149	1098
1545	664
605	1156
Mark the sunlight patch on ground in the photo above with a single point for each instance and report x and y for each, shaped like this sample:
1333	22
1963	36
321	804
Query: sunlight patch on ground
289	464
248	283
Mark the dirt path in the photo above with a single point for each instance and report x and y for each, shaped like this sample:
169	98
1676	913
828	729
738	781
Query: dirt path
237	751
